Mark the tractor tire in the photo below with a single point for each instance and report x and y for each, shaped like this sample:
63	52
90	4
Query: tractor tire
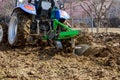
19	28
3	33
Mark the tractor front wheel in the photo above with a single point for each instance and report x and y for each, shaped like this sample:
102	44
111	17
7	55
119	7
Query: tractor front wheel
3	33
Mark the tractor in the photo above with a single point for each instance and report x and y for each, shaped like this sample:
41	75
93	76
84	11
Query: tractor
41	20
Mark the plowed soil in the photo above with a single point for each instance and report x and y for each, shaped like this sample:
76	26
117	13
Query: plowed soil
100	62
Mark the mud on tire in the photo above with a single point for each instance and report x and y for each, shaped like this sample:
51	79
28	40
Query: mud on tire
22	30
67	46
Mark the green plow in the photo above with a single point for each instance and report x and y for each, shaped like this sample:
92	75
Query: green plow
67	34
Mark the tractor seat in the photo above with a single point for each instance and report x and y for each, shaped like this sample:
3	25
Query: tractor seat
43	8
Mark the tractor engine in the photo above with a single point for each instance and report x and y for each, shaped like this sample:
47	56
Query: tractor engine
41	23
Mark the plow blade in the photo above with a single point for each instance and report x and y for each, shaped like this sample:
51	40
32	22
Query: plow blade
80	49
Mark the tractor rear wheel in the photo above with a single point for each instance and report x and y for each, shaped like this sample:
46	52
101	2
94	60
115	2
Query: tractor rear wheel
19	28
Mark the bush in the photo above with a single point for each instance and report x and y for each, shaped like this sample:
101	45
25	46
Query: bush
115	22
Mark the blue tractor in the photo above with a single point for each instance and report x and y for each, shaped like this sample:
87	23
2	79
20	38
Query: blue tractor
39	19
36	20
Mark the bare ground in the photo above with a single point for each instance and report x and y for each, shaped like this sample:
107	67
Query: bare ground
100	62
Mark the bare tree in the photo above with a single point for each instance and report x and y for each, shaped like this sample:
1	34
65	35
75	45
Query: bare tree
97	9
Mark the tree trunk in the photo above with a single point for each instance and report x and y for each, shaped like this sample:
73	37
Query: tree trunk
98	26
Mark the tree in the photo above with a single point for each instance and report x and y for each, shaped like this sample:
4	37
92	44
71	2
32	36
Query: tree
97	9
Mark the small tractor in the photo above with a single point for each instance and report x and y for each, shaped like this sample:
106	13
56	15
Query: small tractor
41	20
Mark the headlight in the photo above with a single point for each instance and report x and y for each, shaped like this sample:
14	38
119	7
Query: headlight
46	5
21	1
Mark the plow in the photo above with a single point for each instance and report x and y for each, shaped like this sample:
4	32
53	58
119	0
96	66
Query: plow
41	20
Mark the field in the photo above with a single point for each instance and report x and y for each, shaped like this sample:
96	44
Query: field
101	30
100	62
43	62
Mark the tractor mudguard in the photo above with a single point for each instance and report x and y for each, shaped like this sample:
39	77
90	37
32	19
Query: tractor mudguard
29	8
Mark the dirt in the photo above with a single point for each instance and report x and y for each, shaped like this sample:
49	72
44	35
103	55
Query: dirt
100	62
